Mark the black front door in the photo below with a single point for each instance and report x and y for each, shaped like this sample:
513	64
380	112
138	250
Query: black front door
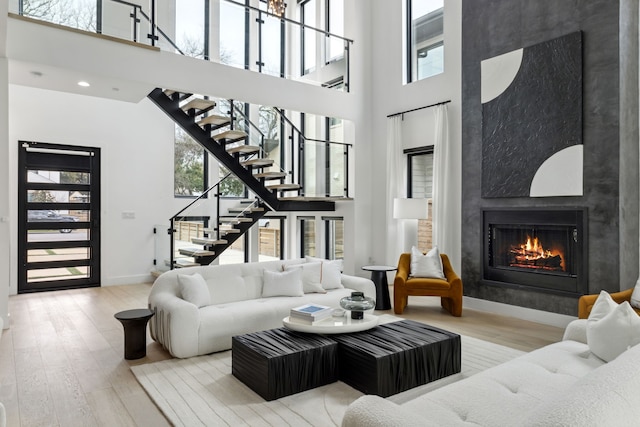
58	217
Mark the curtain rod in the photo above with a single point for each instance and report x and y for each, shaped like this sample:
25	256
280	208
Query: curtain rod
419	108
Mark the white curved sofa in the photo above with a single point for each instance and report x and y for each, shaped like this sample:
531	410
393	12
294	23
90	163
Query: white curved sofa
237	306
561	384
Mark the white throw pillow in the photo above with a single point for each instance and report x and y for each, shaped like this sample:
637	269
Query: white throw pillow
194	289
331	276
635	296
311	276
612	328
282	283
604	305
429	265
331	272
339	262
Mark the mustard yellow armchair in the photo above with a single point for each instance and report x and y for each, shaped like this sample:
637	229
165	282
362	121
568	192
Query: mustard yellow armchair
449	291
586	302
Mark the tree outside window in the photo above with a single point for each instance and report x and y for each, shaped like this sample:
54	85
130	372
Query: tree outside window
189	165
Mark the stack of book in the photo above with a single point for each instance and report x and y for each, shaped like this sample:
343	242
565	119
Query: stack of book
309	314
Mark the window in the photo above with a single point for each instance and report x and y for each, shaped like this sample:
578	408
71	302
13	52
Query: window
420	172
271	38
420	185
233	39
424	39
334	237
190	27
307	236
190	166
308	17
336	158
271	238
335	25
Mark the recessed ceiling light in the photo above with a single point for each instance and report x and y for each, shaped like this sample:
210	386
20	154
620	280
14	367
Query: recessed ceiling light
36	73
83	84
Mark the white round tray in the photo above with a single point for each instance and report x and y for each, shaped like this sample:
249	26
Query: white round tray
334	325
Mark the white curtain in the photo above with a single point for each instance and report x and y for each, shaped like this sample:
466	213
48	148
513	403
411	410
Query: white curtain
395	187
443	224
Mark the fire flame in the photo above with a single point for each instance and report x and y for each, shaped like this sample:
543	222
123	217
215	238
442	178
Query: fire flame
533	256
534	250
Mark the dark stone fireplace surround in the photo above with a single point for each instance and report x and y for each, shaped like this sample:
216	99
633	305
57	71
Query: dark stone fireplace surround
610	137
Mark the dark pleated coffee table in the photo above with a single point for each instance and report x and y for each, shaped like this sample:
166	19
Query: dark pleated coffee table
397	356
384	360
281	362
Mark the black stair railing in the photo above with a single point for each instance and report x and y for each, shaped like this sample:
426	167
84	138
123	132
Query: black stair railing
184	214
298	149
204	228
71	15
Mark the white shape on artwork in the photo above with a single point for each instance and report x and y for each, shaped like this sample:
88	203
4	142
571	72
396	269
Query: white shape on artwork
560	174
497	73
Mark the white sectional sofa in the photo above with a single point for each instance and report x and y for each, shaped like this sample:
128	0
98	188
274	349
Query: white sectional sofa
562	384
236	305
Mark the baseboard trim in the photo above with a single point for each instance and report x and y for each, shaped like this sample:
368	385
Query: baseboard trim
530	314
128	280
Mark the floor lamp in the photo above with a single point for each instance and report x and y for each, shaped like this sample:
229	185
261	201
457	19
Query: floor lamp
410	210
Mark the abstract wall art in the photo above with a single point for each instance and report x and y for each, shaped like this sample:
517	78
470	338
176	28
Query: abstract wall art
532	121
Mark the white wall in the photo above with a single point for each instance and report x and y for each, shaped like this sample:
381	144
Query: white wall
136	142
391	96
5	230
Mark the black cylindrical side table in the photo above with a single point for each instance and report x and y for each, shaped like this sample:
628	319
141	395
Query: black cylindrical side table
134	323
379	278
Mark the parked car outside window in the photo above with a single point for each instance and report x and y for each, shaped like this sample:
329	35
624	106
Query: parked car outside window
50	216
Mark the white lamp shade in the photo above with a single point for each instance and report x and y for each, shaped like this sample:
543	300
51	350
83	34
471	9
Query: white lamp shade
410	209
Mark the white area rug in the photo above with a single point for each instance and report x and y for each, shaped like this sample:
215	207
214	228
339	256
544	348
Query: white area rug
201	391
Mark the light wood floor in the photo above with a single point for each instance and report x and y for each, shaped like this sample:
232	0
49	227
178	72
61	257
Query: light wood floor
61	362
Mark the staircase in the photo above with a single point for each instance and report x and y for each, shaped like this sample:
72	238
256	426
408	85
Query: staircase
229	229
219	135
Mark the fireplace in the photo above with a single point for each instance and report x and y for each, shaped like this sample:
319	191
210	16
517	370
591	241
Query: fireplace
538	249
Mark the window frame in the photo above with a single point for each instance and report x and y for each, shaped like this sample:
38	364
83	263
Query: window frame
329	233
411	54
303	34
283	223
327	22
301	225
411	153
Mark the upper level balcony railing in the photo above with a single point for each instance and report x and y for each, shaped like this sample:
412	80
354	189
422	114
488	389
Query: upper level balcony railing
224	31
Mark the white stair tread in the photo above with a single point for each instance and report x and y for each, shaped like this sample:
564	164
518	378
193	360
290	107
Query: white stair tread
270	175
257	162
246	209
245	149
282	187
215	120
196	252
230	134
234	219
199	104
183	262
169	92
231	231
205	241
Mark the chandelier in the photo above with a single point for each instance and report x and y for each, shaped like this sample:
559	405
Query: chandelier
276	7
